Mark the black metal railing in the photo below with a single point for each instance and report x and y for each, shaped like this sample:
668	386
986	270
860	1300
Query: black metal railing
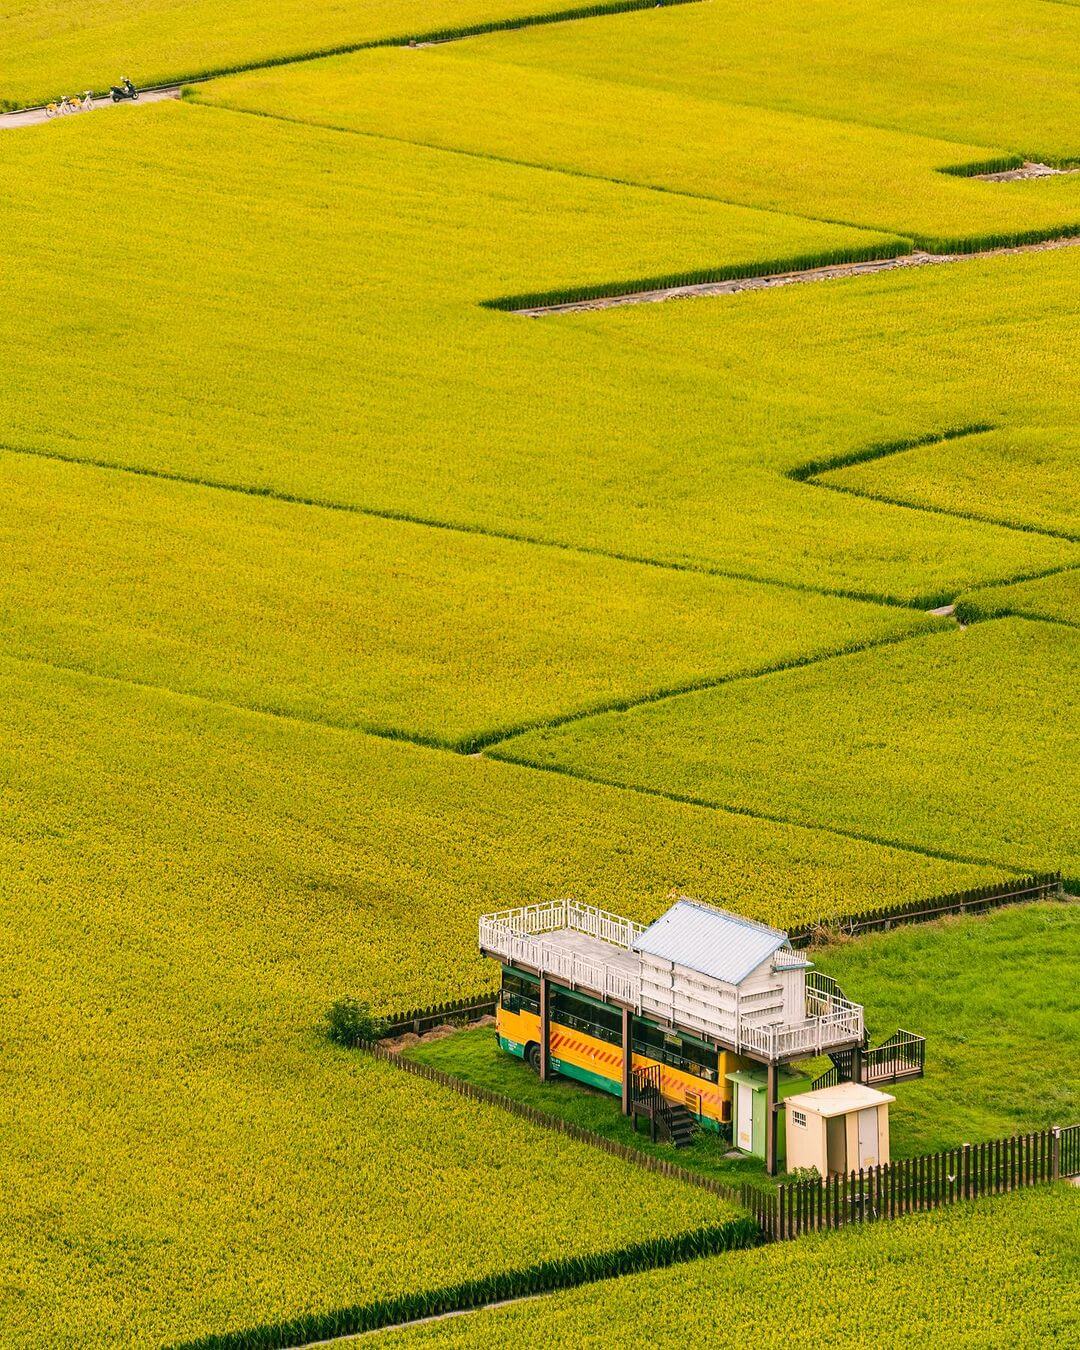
903	1055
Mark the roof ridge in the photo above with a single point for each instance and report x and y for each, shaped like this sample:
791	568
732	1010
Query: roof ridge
730	914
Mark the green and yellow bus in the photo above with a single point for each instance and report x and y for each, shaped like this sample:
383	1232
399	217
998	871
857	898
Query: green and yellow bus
585	1042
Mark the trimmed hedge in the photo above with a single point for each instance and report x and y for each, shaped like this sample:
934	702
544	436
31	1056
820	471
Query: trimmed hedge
547	1276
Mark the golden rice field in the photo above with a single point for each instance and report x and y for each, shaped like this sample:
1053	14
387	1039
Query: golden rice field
941	743
52	47
1055	597
1023	1246
339	605
455	97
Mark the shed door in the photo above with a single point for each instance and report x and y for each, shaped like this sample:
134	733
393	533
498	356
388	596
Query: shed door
746	1117
836	1144
868	1140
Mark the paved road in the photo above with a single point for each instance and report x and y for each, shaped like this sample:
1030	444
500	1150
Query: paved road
29	117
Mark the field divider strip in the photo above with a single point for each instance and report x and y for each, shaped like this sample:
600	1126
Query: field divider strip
692	687
955	513
445	748
918	603
613	295
431	38
751	813
812	472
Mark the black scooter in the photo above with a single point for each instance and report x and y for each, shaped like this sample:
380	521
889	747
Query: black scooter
125	89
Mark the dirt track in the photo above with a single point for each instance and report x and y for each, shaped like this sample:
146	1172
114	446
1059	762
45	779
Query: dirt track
1029	169
916	259
29	117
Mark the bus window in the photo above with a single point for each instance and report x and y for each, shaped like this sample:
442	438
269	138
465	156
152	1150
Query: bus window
519	994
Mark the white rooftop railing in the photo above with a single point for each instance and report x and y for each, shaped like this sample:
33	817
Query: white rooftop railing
519	936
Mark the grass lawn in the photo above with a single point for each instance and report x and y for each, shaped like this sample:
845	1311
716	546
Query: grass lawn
995	997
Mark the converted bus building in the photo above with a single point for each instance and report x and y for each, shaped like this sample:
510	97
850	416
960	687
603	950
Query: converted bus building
676	1018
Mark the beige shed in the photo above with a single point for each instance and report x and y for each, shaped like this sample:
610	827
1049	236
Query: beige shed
838	1129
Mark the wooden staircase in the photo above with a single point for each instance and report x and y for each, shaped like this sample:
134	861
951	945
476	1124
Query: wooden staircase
666	1118
901	1057
681	1125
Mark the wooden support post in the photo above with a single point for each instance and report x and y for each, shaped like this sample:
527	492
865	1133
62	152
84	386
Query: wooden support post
627	1059
857	1064
545	1027
1055	1153
772	1092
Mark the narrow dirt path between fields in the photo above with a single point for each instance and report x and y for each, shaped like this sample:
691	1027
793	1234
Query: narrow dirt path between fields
435	1317
833	272
30	117
1029	169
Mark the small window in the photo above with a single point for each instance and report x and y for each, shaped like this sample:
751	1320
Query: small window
798	1117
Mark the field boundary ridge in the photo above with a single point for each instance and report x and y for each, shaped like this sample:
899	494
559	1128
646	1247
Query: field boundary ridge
732	280
599	9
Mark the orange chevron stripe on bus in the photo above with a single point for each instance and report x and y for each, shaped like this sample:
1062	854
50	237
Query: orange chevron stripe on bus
585	1042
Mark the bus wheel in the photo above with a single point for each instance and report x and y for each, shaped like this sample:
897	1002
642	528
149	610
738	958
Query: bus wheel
532	1056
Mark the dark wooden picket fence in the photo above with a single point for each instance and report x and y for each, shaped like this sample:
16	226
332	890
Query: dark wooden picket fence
1041	886
419	1020
911	1185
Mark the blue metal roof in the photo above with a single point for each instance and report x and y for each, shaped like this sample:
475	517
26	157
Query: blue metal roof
711	941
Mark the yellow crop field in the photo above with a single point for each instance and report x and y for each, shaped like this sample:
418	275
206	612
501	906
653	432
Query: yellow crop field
273	345
51	47
456	96
371	623
1007	76
341	604
1023	1246
1055	597
186	889
850	743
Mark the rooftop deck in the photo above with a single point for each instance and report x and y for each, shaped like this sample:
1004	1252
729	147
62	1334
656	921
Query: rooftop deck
586	948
